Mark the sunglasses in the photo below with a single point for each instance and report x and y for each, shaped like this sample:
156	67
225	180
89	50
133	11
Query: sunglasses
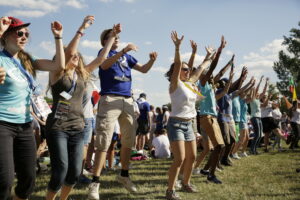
21	34
185	69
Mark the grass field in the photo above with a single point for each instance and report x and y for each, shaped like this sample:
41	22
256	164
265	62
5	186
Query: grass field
266	176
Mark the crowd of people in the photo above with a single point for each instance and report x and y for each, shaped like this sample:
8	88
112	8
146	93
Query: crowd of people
209	112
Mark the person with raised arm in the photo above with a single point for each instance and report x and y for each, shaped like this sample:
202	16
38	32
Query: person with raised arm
208	116
65	125
183	94
116	103
17	72
256	116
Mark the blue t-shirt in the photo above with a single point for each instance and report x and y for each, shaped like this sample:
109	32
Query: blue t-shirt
208	105
14	94
110	79
144	108
244	110
236	109
225	107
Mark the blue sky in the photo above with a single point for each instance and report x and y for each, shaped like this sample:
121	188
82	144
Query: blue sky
253	30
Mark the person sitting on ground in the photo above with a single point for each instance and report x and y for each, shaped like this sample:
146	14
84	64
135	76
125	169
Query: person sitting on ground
161	145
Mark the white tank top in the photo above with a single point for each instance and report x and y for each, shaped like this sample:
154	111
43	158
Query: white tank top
296	116
267	111
183	101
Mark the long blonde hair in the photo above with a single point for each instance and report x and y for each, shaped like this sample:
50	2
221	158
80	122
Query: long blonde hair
80	69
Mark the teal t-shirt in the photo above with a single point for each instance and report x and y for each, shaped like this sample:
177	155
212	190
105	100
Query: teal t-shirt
208	105
244	109
14	94
236	109
255	108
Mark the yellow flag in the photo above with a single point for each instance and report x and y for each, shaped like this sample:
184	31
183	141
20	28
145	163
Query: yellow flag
294	95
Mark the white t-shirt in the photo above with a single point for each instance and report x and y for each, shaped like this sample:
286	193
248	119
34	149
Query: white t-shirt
296	116
162	146
276	114
267	111
166	118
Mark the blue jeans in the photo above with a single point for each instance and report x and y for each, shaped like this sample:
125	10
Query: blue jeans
180	130
257	126
66	158
88	130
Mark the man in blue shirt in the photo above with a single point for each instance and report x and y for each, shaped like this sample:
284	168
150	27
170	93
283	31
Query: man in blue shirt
144	122
116	103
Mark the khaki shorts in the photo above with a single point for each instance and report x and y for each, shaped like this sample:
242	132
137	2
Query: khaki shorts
110	109
228	132
211	127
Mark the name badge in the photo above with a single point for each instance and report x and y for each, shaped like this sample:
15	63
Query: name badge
65	95
123	78
62	110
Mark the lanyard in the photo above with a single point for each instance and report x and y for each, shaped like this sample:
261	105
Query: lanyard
32	83
192	89
72	89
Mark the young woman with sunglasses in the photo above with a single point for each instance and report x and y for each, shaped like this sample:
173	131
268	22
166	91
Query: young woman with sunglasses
65	125
18	148
183	95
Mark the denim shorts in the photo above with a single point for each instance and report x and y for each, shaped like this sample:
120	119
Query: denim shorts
88	130
243	126
180	130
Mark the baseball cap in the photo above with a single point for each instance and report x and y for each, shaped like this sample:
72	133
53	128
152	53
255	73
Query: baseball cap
143	95
16	23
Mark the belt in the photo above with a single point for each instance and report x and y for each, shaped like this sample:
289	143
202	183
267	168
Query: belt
181	119
117	95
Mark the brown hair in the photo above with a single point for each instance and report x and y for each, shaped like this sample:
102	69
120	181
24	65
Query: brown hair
104	35
169	73
25	58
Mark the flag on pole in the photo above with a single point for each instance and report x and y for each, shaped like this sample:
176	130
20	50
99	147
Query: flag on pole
291	85
294	94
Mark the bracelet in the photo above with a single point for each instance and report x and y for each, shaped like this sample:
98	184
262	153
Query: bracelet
80	33
57	37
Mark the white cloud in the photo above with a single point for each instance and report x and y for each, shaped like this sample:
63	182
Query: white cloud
88	59
198	59
76	4
148	43
148	11
228	52
48	46
26	13
261	62
106	1
91	44
46	5
129	1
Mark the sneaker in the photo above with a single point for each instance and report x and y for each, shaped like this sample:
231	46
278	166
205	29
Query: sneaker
226	163
196	171
218	169
235	156
84	180
86	172
93	193
171	195
126	182
189	188
204	172
178	184
244	154
213	178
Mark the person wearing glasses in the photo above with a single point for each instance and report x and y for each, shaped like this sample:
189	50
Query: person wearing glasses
183	93
116	103
17	69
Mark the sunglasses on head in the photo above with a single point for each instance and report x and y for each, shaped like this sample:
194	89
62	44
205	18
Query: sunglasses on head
185	69
21	34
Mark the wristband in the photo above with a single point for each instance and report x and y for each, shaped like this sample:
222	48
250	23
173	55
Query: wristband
80	33
58	37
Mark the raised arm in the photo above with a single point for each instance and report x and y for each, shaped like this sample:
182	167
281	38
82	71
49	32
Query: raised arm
238	83
227	86
266	101
146	67
58	64
175	77
257	87
195	75
71	49
244	90
194	51
214	62
111	60
223	70
265	88
104	52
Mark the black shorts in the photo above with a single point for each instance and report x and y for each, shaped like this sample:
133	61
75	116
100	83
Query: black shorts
143	127
269	124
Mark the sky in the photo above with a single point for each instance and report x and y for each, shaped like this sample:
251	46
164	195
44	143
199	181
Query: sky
253	30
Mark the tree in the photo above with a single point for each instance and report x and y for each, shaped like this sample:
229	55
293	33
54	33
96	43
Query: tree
288	65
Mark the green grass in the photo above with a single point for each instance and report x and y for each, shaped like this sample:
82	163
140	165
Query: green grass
267	176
